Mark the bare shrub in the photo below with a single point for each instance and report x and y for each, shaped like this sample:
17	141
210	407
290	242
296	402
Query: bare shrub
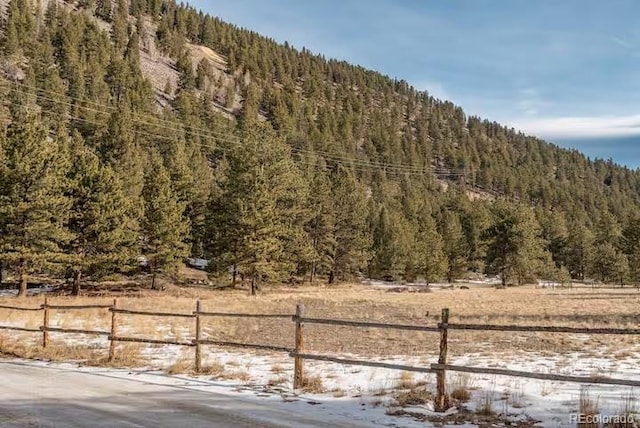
181	366
312	384
414	397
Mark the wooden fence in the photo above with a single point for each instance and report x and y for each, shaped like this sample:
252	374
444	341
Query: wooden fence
298	352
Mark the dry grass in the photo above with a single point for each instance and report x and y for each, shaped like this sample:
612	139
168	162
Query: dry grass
406	381
56	351
129	355
277	381
238	375
338	393
516	396
461	394
378	391
277	369
181	366
616	308
460	387
214	369
414	397
312	384
587	407
630	410
485	405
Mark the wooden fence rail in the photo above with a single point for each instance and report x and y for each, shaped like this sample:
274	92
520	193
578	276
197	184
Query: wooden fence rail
18	308
444	327
149	341
531	375
72	307
237	315
542	329
13	328
365	324
243	345
152	314
74	331
364	363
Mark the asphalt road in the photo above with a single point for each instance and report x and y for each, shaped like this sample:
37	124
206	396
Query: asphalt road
41	396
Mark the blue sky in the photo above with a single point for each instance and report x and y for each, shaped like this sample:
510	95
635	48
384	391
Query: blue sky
565	70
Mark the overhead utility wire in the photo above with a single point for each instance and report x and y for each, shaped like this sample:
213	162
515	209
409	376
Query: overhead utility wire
210	135
234	140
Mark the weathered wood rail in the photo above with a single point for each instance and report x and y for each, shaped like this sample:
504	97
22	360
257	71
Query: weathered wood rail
441	367
443	328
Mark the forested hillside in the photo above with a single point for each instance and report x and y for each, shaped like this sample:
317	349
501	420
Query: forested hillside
147	127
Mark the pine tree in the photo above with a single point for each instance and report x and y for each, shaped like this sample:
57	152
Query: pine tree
104	237
456	249
608	263
120	26
203	74
580	249
230	96
351	232
320	227
73	71
104	9
260	201
607	230
164	227
20	26
222	240
186	80
514	248
391	245
119	148
33	207
555	233
48	79
432	262
631	247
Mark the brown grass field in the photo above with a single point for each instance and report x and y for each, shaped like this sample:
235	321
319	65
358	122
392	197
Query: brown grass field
580	307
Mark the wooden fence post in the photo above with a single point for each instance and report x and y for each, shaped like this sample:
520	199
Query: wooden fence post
298	362
198	365
45	323
441	398
112	336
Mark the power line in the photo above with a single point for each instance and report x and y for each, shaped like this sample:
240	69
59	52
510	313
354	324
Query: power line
208	134
356	163
217	136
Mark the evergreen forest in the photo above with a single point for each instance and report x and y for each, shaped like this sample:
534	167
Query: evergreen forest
147	128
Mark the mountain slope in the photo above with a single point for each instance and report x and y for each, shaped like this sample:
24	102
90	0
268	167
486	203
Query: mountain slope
377	166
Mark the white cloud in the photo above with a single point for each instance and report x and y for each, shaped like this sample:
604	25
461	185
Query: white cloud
568	127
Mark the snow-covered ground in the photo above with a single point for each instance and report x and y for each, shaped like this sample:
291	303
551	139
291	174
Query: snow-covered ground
368	395
485	281
39	394
363	396
9	292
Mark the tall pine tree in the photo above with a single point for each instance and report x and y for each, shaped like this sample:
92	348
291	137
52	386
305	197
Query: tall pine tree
104	236
33	206
164	228
351	231
514	247
258	208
